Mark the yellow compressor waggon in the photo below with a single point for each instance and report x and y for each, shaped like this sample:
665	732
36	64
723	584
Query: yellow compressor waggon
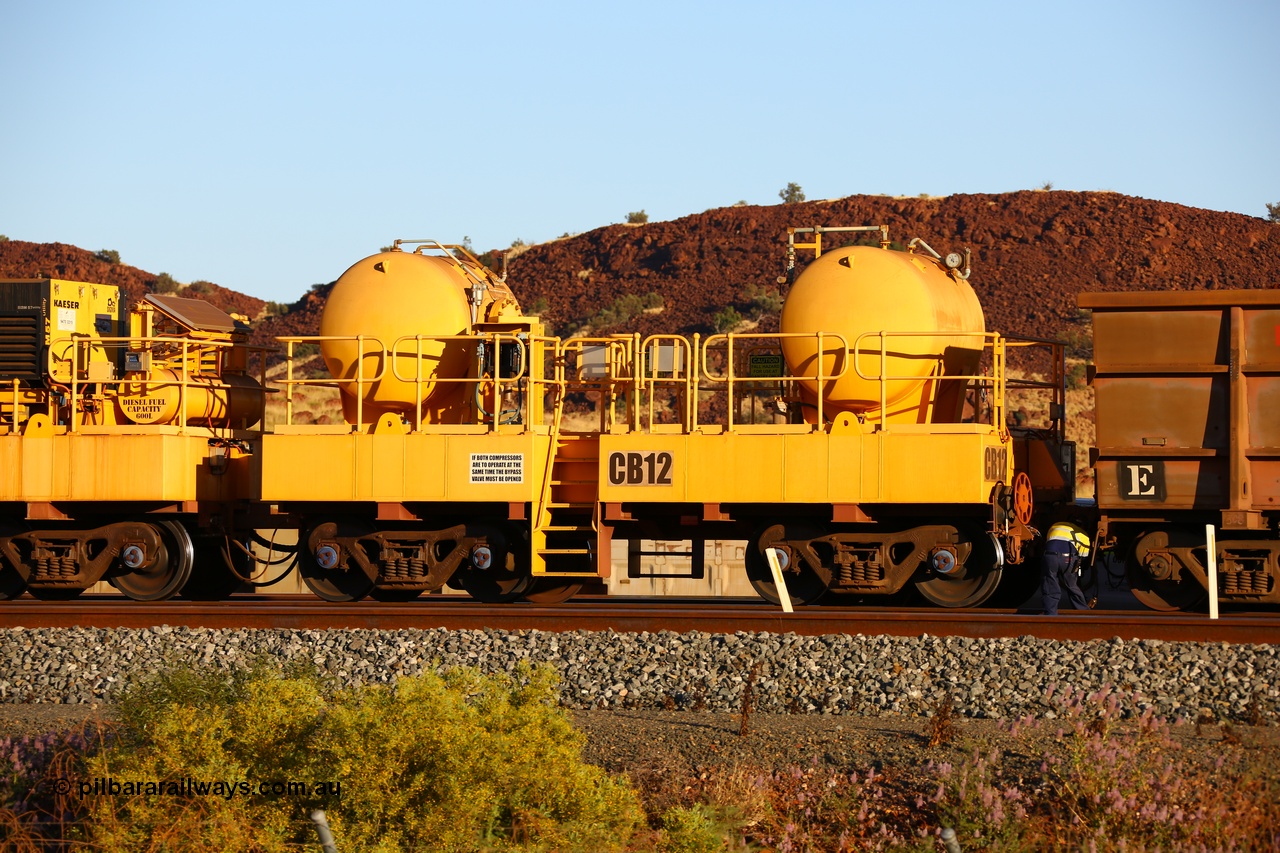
126	439
865	445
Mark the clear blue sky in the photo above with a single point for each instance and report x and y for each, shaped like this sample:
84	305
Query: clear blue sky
267	146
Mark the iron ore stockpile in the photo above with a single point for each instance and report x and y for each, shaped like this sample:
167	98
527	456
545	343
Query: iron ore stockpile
830	674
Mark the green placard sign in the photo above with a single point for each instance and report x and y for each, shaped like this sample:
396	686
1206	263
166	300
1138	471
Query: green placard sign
762	366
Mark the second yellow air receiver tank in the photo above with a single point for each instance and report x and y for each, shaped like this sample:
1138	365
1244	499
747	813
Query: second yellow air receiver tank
860	292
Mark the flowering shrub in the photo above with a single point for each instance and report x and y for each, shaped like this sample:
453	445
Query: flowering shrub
457	761
1112	787
35	805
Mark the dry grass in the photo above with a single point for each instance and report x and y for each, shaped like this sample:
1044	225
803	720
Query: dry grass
312	404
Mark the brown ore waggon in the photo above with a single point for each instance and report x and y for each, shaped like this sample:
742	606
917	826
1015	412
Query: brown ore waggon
1187	406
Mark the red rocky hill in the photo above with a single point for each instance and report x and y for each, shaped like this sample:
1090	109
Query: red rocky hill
58	260
1032	253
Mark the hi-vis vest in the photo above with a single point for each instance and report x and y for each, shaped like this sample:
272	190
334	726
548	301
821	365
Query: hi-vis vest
1073	533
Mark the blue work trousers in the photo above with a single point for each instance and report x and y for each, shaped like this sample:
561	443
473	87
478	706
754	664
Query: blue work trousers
1058	572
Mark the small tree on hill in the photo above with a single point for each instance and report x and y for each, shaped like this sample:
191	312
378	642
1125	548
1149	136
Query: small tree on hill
637	217
166	283
3	239
791	193
111	256
1273	212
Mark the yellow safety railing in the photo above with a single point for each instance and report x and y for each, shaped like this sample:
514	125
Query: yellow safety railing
883	378
497	380
828	343
289	382
413	347
681	368
601	365
190	351
1056	352
998	378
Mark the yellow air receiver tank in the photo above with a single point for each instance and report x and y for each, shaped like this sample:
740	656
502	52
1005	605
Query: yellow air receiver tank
391	298
862	291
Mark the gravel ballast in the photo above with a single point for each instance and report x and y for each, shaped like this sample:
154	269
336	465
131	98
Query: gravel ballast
832	674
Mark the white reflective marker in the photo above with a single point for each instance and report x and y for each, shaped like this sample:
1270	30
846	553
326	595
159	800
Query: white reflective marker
784	597
1211	540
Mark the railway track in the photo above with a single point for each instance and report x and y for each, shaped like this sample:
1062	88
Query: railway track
636	615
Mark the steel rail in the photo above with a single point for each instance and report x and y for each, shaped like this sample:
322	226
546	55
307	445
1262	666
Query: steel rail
635	615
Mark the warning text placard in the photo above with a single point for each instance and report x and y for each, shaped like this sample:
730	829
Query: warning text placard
497	468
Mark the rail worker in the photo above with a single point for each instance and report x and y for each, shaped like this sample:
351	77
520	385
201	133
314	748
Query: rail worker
1066	548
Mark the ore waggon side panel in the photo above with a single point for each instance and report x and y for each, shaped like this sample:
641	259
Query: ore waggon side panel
1187	389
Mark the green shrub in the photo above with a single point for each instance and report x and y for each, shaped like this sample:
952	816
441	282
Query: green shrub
637	217
166	283
4	238
791	193
1273	212
200	287
111	256
1079	338
764	300
623	309
457	761
1077	377
726	320
690	830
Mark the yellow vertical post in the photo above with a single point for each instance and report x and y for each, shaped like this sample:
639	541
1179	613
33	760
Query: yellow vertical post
359	384
182	390
417	386
75	384
729	384
288	382
639	369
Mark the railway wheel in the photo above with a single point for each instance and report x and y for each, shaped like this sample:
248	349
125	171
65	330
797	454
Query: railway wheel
326	570
967	582
492	587
211	578
159	575
1151	573
12	583
804	584
552	590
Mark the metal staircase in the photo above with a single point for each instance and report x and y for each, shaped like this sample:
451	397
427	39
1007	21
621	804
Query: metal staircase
565	521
